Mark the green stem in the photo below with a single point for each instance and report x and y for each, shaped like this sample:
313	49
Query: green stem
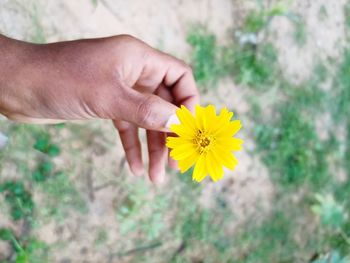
345	237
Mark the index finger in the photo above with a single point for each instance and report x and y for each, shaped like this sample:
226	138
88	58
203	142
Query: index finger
179	78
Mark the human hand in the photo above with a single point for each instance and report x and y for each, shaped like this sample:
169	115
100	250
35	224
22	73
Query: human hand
118	78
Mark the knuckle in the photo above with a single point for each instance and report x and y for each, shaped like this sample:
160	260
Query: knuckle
182	63
144	112
187	69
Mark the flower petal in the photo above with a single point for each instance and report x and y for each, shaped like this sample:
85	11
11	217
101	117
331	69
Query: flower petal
231	144
227	158
212	134
214	167
182	131
187	163
199	172
173	142
182	152
200	118
186	118
230	129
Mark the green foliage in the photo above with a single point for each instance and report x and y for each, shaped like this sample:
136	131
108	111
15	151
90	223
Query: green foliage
322	13
259	19
25	250
300	33
101	237
44	144
38	34
347	14
293	157
341	96
333	257
251	65
6	234
331	213
150	224
19	199
61	197
347	152
205	57
248	64
94	3
196	226
43	171
272	241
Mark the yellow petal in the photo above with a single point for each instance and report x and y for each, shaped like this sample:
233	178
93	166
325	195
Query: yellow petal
186	164
210	118
173	142
226	115
229	129
182	152
227	158
231	144
218	130
186	118
214	167
182	131
200	118
199	172
222	121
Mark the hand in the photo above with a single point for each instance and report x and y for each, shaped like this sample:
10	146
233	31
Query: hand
118	78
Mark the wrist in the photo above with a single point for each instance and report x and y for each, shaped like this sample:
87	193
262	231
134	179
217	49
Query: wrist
15	65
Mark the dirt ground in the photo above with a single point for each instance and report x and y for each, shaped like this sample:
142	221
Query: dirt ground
96	153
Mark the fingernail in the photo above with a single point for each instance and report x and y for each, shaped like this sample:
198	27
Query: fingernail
159	180
138	171
173	119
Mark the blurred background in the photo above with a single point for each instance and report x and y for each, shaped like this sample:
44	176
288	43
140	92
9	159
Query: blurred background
283	67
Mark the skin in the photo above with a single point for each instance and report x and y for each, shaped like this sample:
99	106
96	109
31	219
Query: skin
118	78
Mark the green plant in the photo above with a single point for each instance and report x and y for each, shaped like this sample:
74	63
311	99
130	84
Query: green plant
292	156
332	257
205	57
347	14
323	13
101	237
61	197
25	250
94	3
331	213
251	65
19	199
45	145
259	19
271	241
43	171
300	32
150	224
341	96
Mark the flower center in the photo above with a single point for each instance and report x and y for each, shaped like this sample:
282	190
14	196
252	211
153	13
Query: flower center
203	141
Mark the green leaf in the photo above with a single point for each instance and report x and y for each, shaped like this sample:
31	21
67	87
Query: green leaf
330	212
22	257
53	150
42	143
6	234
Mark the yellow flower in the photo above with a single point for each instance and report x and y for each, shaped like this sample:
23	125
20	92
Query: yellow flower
206	141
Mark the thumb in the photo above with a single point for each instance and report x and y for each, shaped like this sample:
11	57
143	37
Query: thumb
150	111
